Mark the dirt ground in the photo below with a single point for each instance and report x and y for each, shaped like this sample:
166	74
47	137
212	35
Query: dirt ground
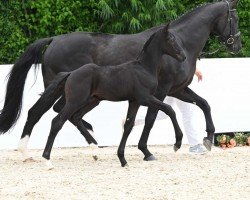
220	174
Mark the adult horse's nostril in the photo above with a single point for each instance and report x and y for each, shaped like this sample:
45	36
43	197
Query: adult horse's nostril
184	58
181	57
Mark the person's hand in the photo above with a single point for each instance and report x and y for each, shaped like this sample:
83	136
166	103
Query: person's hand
199	75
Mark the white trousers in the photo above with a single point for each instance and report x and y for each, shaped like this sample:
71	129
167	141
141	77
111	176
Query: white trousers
188	118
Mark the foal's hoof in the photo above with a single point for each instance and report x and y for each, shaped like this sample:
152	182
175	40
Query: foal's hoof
124	164
207	143
150	158
95	157
176	148
28	160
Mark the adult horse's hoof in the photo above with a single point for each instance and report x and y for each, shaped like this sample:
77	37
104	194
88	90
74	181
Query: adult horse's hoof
207	143
176	148
28	160
150	158
49	165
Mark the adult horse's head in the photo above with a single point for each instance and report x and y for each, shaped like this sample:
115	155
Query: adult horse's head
227	27
171	45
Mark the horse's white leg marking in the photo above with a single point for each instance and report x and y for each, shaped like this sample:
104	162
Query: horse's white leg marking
22	147
93	147
49	164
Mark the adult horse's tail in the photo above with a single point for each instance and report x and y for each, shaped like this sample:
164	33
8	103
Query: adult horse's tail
16	81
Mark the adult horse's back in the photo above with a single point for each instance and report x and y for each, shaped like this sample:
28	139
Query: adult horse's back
68	52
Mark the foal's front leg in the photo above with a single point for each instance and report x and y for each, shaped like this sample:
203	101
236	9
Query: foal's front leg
153	102
129	123
149	122
190	96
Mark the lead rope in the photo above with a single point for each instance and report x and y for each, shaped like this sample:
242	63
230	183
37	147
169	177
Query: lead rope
204	54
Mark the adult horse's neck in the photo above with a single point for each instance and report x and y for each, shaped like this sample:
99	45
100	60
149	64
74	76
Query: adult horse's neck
194	28
151	54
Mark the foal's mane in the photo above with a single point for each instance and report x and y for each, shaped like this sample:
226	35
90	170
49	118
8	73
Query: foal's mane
145	46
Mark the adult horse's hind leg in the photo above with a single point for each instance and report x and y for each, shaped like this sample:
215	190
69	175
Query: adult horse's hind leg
190	96
34	115
129	123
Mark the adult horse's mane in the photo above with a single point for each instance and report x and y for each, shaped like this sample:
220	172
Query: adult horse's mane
189	14
181	19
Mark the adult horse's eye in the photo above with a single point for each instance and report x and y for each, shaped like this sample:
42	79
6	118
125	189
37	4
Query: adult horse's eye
171	37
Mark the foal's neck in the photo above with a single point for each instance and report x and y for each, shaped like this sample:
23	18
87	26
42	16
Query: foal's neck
152	56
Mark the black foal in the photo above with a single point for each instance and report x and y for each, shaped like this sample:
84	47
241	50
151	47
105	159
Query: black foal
135	81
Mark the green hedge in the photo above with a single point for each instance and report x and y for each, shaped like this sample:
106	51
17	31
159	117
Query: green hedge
24	21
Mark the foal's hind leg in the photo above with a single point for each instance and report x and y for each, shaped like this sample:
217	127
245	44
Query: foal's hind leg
77	120
91	104
56	125
189	96
130	119
81	124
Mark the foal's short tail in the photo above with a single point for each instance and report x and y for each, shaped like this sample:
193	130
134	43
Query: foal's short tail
16	81
50	95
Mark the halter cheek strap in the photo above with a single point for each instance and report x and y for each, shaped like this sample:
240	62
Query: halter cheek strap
231	38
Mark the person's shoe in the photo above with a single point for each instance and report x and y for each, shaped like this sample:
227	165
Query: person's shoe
198	149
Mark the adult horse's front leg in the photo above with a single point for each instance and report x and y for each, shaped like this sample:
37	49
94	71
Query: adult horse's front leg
190	96
129	123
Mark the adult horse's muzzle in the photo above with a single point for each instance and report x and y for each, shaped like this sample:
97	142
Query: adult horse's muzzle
234	44
235	48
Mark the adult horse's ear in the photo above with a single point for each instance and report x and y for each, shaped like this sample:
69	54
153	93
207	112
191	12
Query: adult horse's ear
234	3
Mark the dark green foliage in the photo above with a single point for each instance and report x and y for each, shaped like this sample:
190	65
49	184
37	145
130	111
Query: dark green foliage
24	21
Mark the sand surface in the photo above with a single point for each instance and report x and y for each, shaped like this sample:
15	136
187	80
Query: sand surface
220	174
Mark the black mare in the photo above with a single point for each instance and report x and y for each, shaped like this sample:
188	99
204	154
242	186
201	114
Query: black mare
135	81
69	52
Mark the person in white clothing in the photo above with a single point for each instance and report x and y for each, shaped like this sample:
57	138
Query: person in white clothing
190	128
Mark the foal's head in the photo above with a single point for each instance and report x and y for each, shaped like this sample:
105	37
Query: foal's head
170	45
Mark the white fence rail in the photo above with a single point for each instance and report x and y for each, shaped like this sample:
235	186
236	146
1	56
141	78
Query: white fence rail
226	86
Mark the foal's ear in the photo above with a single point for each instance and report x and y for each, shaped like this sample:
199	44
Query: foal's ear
165	29
234	3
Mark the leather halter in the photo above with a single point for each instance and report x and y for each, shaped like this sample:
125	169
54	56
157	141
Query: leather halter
230	40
